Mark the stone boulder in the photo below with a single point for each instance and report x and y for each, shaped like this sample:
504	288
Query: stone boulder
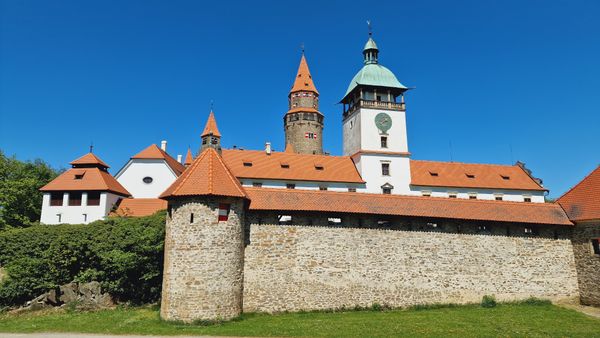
83	295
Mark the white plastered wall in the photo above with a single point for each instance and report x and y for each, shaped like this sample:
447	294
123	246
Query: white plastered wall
132	177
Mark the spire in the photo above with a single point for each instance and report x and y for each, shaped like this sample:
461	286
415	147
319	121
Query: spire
188	158
211	138
304	81
211	126
370	51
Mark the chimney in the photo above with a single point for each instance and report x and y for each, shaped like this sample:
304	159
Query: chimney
179	157
163	145
268	148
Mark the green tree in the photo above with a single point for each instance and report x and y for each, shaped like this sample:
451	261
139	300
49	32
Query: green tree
20	198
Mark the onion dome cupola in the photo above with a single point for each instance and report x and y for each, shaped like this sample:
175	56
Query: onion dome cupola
374	85
303	122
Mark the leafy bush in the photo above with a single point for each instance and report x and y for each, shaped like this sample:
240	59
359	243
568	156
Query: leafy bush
124	254
488	301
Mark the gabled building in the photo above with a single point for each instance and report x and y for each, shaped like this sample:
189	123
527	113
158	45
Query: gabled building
148	173
82	194
582	205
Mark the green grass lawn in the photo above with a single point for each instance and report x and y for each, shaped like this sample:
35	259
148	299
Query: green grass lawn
504	320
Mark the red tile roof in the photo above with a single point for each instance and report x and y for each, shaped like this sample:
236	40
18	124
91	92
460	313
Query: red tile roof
188	158
208	175
471	175
154	152
90	179
582	202
211	126
301	167
396	205
138	207
303	81
87	160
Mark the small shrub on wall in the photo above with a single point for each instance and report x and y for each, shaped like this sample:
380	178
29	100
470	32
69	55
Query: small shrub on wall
124	254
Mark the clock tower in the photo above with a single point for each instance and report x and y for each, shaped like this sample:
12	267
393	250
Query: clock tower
374	126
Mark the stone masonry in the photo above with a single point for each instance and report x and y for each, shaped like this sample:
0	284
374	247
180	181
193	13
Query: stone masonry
588	263
411	261
203	272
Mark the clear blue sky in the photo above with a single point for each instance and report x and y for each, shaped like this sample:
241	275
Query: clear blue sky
489	75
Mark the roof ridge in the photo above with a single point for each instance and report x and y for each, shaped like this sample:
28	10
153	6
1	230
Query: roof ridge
375	195
231	176
185	178
467	163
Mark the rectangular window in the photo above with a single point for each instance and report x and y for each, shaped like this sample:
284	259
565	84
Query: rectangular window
93	198
257	184
472	195
498	197
223	212
322	187
385	169
596	246
426	193
84	218
247	164
285	165
383	141
59	216
334	221
386	191
351	189
384	223
290	186
284	219
56	199
75	198
527	199
192	218
452	194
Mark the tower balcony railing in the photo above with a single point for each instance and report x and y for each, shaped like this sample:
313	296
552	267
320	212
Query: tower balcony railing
362	103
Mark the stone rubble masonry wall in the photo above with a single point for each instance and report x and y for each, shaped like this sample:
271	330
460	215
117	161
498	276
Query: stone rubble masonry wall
295	134
299	267
203	273
588	264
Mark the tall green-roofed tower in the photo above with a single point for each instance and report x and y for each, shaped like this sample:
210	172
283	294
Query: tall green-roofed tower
374	125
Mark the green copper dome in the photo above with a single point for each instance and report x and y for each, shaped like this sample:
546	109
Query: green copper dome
373	74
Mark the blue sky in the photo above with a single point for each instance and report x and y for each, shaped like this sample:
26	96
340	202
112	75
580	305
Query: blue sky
490	76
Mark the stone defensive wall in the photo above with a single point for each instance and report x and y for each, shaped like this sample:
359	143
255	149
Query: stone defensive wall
317	262
588	264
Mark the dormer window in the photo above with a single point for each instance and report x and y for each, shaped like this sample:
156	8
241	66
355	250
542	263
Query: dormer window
471	176
433	174
285	165
78	174
247	163
505	177
319	166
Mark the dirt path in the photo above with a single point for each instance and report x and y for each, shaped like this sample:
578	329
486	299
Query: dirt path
574	305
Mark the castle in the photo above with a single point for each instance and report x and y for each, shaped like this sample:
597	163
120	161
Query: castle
261	230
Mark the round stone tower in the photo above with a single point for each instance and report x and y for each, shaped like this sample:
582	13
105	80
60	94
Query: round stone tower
303	123
204	240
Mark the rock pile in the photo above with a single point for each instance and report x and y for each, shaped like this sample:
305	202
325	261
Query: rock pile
82	295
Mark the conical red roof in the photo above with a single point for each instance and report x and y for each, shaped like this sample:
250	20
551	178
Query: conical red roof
188	158
304	81
211	126
208	175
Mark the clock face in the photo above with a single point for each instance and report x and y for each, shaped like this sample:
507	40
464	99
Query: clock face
383	122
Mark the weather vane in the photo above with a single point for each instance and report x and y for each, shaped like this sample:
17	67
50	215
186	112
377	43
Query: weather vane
370	27
302	47
211	105
91	146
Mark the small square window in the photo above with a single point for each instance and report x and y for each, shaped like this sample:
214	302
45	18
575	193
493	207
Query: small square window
75	198
284	219
386	191
498	197
472	195
452	194
527	199
322	187
351	189
257	184
426	193
290	186
334	221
